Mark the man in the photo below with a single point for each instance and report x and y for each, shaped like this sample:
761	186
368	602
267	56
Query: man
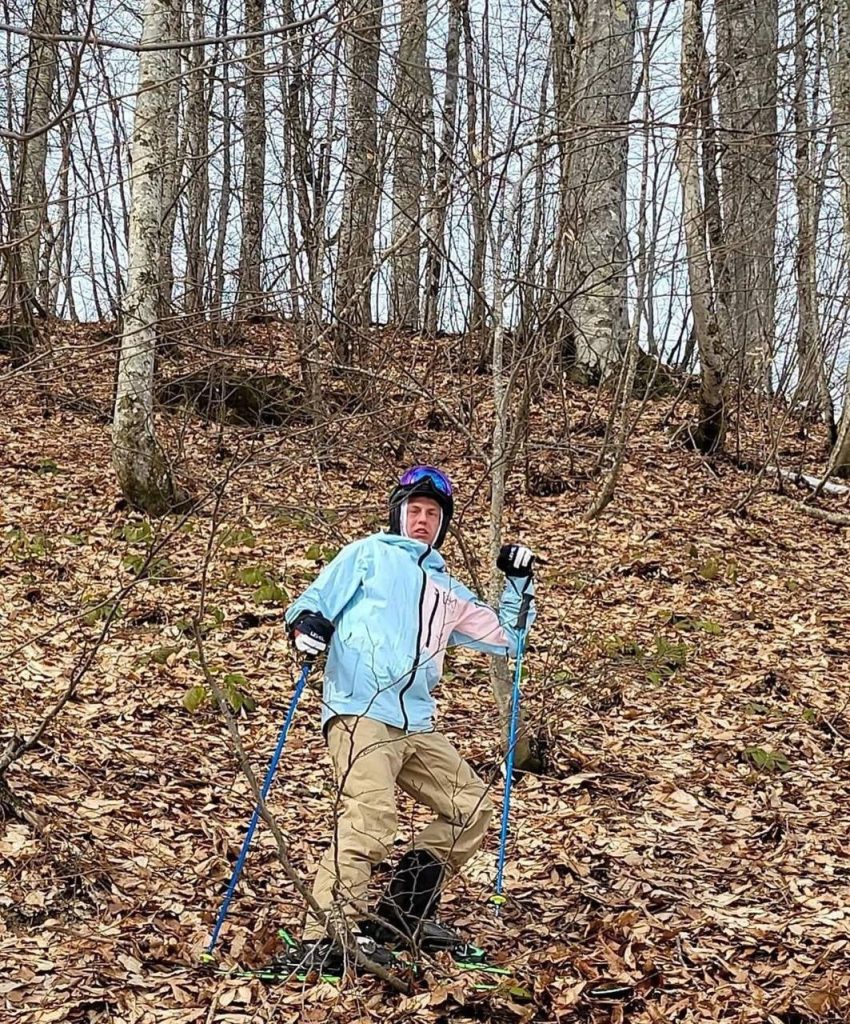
385	610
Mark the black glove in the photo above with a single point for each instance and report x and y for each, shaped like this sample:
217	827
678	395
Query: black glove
311	633
515	560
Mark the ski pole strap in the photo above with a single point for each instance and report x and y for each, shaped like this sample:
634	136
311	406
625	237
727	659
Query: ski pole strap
255	817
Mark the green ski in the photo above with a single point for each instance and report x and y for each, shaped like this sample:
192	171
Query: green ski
287	967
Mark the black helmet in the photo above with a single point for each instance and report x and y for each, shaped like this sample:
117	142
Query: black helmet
422	482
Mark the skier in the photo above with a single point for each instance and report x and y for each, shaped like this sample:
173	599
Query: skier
384	611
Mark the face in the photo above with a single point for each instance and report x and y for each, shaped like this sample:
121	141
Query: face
423	520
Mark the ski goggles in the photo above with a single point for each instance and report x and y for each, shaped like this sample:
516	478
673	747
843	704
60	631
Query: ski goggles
438	479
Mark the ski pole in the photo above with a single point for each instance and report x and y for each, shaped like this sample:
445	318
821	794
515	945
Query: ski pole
255	817
497	899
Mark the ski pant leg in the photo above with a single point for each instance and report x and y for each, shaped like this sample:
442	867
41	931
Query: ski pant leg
436	775
367	757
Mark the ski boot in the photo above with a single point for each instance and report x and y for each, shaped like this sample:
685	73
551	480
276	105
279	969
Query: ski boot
409	905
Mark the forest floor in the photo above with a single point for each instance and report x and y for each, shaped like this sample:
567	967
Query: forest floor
688	677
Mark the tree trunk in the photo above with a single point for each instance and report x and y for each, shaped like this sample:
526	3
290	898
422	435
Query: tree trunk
502	452
172	171
409	115
56	278
31	190
812	386
250	294
532	293
224	196
836	36
709	432
308	189
437	242
602	77
560	339
139	463
501	680
713	208
352	303
197	145
747	44
476	161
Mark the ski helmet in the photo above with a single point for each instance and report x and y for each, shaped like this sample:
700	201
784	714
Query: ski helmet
422	482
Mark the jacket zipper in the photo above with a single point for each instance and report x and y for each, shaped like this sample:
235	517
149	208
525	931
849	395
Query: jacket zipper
418	654
431	619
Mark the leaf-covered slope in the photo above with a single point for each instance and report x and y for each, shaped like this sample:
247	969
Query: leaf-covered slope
688	677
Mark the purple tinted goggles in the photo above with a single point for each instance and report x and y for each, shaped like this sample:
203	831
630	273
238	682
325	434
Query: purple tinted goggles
416	474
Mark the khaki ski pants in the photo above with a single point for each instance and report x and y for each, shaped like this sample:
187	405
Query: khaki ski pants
369	760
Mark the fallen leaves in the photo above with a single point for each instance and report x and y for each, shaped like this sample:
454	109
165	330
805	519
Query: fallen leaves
658	852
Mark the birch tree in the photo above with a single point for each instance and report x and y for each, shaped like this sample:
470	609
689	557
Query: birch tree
602	98
138	460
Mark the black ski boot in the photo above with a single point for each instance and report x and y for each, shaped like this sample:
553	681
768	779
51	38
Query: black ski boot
410	903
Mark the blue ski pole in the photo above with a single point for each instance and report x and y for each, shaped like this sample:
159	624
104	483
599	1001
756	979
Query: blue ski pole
267	782
497	898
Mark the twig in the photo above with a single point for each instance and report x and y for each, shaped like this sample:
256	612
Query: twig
245	766
468	560
212	1009
271	821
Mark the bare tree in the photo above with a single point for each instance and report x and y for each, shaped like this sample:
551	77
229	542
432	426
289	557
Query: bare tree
411	93
138	460
309	187
441	198
224	197
172	169
31	191
813	385
197	165
836	14
747	43
250	296
505	375
709	431
476	162
355	252
558	274
602	71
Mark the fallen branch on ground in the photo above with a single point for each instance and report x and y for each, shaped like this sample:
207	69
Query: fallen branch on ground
825	486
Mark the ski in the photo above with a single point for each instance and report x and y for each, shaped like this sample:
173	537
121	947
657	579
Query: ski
287	968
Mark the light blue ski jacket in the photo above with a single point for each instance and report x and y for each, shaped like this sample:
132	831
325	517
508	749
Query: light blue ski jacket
396	610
